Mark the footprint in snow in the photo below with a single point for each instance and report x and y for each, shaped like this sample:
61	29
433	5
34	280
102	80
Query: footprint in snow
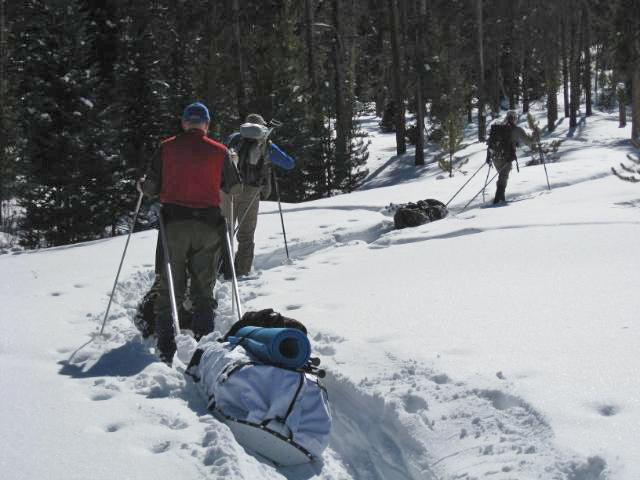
55	294
413	403
113	427
161	447
326	350
293	307
290	279
79	285
607	410
99	397
174	423
441	379
326	338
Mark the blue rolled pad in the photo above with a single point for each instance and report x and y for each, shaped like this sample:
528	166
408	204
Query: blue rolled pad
285	347
281	159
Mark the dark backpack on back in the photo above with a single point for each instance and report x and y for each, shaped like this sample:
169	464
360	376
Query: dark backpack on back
500	144
252	172
418	213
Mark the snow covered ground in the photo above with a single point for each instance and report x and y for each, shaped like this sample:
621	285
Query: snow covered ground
496	343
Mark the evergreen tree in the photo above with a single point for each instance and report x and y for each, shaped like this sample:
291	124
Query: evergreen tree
66	165
7	114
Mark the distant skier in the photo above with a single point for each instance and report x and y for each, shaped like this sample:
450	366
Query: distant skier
188	173
503	141
255	156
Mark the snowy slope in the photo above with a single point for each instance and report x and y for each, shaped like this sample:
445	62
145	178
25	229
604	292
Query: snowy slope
497	342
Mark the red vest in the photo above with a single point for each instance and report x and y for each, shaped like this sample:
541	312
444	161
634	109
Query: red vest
192	170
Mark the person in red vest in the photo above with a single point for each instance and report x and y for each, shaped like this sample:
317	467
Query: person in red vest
187	173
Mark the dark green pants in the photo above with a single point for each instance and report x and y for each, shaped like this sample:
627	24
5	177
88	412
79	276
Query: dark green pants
194	246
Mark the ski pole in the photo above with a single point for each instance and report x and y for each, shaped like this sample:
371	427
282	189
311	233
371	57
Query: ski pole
126	245
167	269
465	184
486	180
284	232
542	160
232	253
482	189
244	215
235	296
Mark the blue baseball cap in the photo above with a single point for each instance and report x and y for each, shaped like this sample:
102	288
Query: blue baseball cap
196	113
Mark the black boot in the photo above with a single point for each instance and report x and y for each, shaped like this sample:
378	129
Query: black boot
502	198
203	321
166	346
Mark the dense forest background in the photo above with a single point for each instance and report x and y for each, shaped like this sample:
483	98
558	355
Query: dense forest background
88	88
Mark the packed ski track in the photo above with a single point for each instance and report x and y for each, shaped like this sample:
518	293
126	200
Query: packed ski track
496	343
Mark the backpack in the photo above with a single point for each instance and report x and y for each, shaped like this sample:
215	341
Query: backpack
251	164
145	318
418	213
500	144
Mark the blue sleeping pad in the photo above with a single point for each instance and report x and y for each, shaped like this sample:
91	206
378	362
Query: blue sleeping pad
283	347
281	159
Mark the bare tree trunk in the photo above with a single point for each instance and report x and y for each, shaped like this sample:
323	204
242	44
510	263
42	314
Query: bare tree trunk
381	81
635	103
525	81
496	83
482	126
398	88
622	105
212	62
551	61
574	65
587	56
595	80
565	63
420	58
342	135
240	88
3	113
635	89
311	70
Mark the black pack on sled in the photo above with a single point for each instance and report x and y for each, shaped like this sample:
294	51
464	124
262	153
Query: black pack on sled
418	213
145	319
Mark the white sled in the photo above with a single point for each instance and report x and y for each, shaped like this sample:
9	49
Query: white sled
275	447
282	415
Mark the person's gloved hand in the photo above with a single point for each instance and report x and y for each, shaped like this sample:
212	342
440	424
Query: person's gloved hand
140	184
488	160
233	156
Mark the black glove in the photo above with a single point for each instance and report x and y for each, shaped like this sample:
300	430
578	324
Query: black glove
488	160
